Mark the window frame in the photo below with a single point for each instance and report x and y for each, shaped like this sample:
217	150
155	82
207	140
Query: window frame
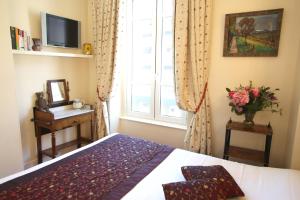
156	83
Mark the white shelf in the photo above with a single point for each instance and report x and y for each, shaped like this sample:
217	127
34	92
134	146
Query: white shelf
48	53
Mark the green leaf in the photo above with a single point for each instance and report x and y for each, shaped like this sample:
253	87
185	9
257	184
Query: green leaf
228	90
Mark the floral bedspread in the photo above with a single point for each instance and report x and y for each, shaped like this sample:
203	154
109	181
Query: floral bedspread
107	170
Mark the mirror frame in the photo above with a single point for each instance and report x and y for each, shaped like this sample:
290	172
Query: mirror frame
50	97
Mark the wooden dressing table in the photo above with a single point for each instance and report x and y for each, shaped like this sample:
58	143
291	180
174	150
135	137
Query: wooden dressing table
50	122
60	116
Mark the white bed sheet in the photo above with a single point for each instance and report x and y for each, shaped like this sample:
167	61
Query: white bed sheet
258	183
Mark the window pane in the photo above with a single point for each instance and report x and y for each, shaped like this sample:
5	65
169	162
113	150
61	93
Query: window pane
141	98
143	51
167	71
168	103
168	7
143	9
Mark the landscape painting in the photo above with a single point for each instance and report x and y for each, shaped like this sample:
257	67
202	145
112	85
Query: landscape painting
252	33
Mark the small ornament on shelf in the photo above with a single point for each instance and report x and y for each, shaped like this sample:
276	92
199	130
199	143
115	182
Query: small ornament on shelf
37	44
87	49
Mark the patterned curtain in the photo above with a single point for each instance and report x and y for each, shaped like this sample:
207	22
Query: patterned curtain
105	20
191	69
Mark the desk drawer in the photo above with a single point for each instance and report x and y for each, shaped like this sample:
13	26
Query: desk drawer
72	121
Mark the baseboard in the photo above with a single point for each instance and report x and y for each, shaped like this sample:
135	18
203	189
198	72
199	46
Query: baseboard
30	163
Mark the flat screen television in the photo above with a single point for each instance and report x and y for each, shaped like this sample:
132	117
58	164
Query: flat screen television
59	31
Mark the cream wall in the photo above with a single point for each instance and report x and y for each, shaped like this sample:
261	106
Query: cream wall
293	147
161	134
10	139
32	72
276	72
294	159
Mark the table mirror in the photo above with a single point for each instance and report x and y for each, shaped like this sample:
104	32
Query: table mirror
58	92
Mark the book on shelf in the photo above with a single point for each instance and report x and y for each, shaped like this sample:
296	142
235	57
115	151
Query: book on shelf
21	43
17	38
29	46
20	39
13	37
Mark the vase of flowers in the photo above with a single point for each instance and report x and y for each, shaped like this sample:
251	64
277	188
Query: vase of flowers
249	99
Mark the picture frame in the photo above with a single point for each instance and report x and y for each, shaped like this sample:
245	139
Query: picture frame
252	34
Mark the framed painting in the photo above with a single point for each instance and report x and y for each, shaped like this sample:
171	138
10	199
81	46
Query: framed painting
252	34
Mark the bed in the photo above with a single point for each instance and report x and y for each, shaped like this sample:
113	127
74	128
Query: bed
146	181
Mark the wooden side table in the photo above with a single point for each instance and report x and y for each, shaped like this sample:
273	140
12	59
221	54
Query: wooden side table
260	157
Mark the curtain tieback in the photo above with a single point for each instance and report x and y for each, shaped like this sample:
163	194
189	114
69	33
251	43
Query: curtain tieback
202	97
100	98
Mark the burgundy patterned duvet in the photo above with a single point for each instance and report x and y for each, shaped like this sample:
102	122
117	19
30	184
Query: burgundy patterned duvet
107	170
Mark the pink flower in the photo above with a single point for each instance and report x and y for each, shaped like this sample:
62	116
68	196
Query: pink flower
231	93
240	98
255	92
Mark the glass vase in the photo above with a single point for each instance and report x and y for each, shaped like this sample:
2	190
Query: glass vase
249	116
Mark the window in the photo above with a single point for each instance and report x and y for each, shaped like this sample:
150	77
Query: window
150	85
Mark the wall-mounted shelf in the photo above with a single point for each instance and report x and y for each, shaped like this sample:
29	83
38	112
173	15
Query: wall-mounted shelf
48	53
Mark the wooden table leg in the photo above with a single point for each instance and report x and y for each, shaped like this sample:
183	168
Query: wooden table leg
39	146
78	136
92	130
227	143
53	141
267	150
